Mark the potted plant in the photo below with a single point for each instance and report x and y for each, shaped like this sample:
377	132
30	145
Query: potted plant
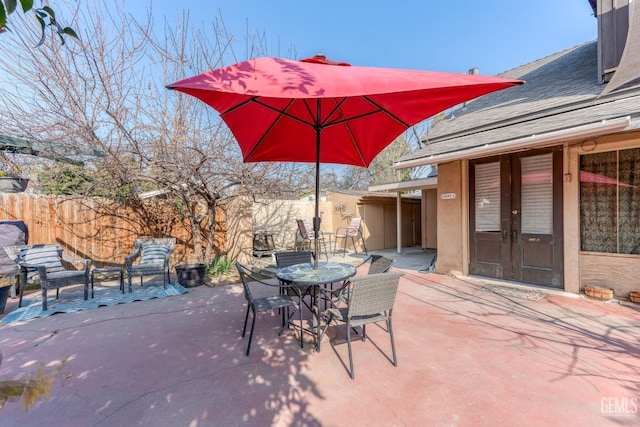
598	292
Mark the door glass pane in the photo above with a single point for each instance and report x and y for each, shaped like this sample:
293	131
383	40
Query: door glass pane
487	182
537	194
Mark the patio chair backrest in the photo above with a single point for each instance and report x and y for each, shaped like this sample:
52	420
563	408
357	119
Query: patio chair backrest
354	227
380	264
11	233
372	294
46	255
285	259
243	271
247	276
155	250
305	227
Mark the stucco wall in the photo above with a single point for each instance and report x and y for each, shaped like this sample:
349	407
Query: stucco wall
450	219
430	219
279	217
379	218
240	230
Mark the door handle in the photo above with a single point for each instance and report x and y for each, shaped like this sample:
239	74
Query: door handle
514	235
505	235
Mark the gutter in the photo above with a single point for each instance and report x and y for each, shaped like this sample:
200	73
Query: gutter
533	141
414	184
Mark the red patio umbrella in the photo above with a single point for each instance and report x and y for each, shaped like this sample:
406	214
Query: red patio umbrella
322	111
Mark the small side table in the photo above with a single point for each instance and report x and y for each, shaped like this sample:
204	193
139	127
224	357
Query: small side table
105	271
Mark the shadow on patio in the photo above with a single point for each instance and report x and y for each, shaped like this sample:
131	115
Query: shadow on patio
467	356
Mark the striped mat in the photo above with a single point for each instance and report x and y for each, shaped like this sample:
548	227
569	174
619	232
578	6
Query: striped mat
71	301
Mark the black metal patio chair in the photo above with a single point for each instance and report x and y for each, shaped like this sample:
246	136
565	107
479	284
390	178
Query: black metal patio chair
270	303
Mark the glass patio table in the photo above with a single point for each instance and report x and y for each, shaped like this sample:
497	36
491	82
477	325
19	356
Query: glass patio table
303	275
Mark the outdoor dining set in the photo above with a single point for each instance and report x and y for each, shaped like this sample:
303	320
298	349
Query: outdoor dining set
352	295
324	292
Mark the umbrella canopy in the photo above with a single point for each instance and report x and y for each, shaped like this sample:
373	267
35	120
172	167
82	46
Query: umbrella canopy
323	111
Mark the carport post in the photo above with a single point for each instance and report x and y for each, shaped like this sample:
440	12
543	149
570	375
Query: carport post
399	221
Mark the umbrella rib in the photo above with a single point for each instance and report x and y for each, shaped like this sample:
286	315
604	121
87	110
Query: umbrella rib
275	122
256	100
336	108
393	116
379	109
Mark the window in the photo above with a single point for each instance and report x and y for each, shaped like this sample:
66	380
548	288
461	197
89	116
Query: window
487	201
537	194
610	202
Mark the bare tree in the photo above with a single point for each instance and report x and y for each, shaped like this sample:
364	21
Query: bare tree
107	92
379	171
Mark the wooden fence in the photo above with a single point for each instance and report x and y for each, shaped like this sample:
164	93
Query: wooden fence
103	230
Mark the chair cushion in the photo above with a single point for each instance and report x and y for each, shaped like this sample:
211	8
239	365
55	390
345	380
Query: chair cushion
153	254
43	255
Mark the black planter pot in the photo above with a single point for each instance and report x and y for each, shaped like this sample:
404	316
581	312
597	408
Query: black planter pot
191	275
4	294
13	184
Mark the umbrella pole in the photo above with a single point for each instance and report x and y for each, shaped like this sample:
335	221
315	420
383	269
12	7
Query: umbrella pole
316	218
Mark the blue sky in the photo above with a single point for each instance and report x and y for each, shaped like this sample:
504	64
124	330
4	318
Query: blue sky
453	36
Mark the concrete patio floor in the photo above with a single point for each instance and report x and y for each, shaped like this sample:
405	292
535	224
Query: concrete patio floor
468	356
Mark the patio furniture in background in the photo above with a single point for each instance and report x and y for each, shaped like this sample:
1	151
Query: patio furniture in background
352	231
371	301
106	271
11	233
263	243
43	263
154	254
270	303
308	236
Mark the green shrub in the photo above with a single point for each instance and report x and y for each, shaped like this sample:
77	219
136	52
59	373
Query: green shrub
219	265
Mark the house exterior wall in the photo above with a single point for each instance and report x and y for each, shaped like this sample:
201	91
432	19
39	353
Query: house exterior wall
240	230
430	219
279	217
451	250
614	271
344	207
379	219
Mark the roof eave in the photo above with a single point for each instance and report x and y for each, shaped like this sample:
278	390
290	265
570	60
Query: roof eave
528	142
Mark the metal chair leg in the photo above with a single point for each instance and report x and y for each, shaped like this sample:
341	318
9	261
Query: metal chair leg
393	347
246	317
253	324
44	299
351	372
